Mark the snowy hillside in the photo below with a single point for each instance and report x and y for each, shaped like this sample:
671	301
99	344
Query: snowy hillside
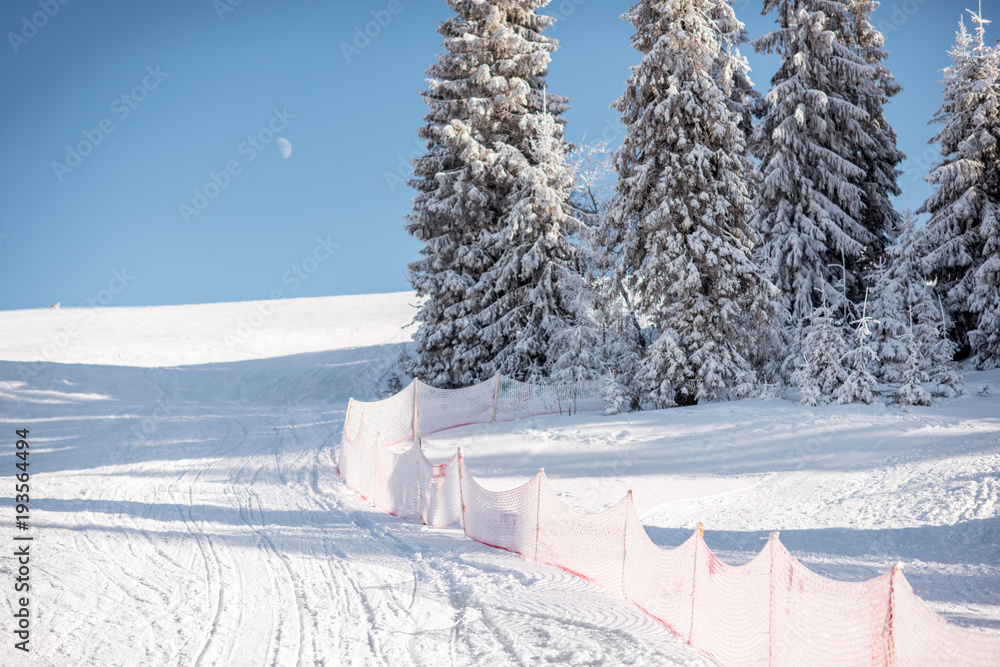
184	509
206	333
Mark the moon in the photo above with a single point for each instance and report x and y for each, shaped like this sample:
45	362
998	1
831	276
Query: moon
285	147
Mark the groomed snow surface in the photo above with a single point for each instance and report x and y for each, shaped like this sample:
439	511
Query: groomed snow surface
184	509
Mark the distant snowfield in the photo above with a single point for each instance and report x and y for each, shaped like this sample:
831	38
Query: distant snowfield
185	508
205	333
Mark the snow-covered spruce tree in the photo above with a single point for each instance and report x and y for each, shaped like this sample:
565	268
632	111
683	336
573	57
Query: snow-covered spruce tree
622	338
678	226
501	275
961	235
946	375
732	72
534	316
459	192
485	185
880	158
812	140
984	302
911	390
860	385
575	350
770	358
901	305
614	399
821	372
621	335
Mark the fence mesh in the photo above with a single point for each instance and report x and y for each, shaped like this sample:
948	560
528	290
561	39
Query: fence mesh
816	620
770	611
446	408
517	400
440	494
730	608
397	482
921	637
391	418
589	545
660	581
504	519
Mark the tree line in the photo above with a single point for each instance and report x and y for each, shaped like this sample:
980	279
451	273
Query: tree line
734	244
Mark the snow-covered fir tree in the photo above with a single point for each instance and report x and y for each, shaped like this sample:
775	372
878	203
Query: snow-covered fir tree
732	71
910	390
880	157
498	272
575	347
984	302
621	335
963	252
860	385
945	374
821	372
614	399
823	156
903	307
622	338
678	228
534	316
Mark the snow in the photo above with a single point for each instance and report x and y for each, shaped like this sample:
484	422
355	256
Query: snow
185	510
205	333
189	514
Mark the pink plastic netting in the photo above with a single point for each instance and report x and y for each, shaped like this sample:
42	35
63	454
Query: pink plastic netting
770	611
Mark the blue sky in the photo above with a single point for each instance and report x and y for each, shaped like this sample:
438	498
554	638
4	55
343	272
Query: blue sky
175	189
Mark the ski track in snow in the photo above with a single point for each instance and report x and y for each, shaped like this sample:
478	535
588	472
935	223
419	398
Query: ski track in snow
190	515
216	533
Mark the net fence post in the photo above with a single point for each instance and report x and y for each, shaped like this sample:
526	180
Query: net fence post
771	601
694	577
415	386
538	510
347	419
461	488
890	620
496	398
628	507
420	493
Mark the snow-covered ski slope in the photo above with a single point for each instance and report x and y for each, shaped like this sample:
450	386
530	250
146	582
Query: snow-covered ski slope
185	512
